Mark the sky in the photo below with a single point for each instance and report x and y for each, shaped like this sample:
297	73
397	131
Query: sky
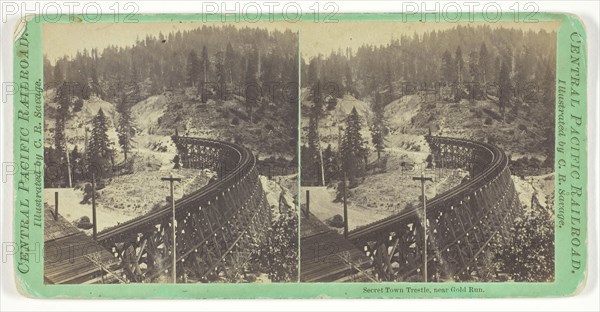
315	38
66	39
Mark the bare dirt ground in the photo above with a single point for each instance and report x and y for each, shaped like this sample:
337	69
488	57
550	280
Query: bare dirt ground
323	207
126	197
379	196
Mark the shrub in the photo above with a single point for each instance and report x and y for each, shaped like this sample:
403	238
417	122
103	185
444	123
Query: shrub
235	121
488	121
84	223
336	221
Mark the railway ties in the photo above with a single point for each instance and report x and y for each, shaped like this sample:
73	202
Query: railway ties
216	225
462	221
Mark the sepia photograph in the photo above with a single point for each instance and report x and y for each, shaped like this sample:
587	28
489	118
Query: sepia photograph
170	153
427	152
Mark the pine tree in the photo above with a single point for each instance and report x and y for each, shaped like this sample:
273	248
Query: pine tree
221	75
317	98
378	128
132	89
353	149
330	164
77	164
312	70
58	75
204	74
484	62
447	69
504	88
268	76
59	144
312	154
292	98
64	102
193	69
350	89
99	152
460	64
389	79
230	63
48	71
474	70
251	87
125	129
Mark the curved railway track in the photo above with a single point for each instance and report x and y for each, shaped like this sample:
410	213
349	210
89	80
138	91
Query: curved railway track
245	164
479	207
212	222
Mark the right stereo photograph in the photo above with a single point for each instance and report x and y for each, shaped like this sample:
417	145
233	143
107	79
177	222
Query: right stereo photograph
427	152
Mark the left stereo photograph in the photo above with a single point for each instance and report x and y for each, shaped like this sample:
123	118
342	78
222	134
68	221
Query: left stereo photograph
170	153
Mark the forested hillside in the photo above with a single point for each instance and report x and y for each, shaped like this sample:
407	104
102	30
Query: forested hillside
236	84
478	82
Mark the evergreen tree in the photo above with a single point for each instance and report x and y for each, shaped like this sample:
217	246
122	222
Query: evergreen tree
99	152
96	88
268	76
447	69
353	149
230	63
350	89
204	74
251	87
58	74
484	62
77	164
193	69
504	88
474	67
125	129
221	75
389	79
460	64
317	98
312	153
64	102
48	74
378	128
292	98
330	164
132	88
313	74
60	148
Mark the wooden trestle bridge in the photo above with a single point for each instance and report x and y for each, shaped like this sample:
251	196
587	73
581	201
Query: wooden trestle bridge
461	222
215	225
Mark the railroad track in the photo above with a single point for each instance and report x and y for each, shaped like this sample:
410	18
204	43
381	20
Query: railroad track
478	207
212	222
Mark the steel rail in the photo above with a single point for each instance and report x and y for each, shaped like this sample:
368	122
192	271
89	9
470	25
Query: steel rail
244	166
494	169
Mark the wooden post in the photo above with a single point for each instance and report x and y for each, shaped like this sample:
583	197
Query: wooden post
422	178
343	183
307	204
55	206
68	166
94	220
174	241
345	208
